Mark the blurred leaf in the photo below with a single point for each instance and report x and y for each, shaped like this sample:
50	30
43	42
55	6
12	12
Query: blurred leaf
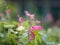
9	26
35	32
25	23
14	23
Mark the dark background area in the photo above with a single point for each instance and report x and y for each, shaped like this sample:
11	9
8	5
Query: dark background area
41	7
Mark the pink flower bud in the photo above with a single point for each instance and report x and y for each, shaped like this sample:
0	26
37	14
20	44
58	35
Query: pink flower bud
27	13
20	19
32	16
31	36
36	27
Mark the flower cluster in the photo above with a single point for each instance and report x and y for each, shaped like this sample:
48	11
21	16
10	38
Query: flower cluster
31	27
27	32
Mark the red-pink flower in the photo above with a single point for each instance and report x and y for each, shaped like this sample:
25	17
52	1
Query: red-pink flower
20	19
36	27
38	22
27	13
8	11
31	36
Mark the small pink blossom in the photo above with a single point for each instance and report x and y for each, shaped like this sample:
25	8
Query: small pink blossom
31	36
8	11
38	22
32	16
36	27
27	13
20	19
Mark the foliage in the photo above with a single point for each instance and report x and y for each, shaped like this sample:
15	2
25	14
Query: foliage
25	32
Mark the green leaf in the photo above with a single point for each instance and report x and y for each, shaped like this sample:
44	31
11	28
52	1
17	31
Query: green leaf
25	23
14	22
9	26
35	32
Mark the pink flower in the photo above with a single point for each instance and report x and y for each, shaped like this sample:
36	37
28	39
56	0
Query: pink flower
38	22
31	36
20	19
32	16
36	27
8	11
27	13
